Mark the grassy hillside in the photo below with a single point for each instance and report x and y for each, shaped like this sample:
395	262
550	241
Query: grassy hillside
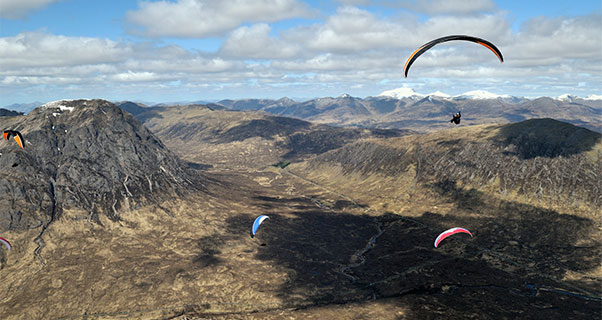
350	233
540	161
237	139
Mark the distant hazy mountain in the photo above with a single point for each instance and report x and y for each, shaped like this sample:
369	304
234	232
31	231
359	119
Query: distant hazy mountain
206	135
405	108
23	107
177	103
255	104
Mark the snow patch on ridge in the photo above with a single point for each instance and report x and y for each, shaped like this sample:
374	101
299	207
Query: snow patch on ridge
58	105
439	94
481	94
566	97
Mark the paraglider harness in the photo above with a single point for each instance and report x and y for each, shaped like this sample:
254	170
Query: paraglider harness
456	118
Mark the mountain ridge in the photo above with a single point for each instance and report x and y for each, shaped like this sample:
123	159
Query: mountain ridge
85	155
529	160
227	137
427	113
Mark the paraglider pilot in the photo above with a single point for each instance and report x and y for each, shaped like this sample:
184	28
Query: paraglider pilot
456	118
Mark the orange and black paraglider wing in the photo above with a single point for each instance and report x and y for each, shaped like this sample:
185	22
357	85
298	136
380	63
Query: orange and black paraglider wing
431	44
417	54
16	135
19	139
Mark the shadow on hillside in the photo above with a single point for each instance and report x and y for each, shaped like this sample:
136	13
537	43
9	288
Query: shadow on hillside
513	245
546	138
209	247
296	203
326	138
199	166
264	128
555	242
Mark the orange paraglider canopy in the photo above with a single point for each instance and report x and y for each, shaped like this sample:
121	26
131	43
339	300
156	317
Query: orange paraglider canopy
16	135
431	44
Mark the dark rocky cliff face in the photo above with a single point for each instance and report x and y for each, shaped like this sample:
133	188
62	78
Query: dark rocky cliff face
88	155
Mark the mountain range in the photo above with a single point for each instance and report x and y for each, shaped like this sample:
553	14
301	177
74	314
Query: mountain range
206	134
143	212
426	113
404	108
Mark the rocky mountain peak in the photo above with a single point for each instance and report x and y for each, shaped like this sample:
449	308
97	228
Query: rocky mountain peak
85	155
285	99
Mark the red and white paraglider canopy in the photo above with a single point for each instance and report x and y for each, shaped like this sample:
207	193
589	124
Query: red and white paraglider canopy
448	233
6	243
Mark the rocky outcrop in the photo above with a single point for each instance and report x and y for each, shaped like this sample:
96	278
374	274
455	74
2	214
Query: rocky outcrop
87	155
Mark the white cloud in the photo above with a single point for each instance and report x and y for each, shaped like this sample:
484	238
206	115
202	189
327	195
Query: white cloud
328	62
493	27
38	80
559	38
350	30
206	18
41	49
353	30
255	42
354	50
191	65
32	59
15	9
135	76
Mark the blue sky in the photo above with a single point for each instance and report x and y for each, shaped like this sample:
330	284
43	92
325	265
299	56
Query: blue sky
186	50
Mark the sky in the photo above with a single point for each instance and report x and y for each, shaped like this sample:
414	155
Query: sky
208	50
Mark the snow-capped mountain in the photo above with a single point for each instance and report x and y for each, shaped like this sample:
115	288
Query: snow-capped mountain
475	94
593	97
481	94
400	93
439	94
570	97
566	97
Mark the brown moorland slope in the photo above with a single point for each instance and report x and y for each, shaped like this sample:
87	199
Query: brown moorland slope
345	238
238	139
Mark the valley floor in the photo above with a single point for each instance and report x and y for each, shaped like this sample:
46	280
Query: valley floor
320	255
